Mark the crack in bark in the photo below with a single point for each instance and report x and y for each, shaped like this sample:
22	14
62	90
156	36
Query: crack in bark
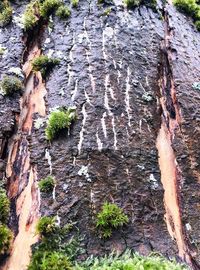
22	175
170	171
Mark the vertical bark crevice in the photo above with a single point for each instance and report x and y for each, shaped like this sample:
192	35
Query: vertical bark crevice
171	177
20	172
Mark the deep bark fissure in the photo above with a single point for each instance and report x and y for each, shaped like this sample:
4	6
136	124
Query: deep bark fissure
22	175
171	177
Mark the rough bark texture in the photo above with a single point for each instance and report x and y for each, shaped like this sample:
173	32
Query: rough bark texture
111	70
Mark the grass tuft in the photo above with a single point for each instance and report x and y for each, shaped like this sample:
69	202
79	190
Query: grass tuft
46	260
129	261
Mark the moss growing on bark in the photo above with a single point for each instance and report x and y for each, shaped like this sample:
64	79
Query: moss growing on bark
31	15
40	10
11	85
63	12
5	13
135	3
132	3
75	3
46	226
6	237
58	121
47	7
4	206
44	64
190	8
111	217
47	184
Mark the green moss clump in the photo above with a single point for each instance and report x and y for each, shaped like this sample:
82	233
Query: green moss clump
129	261
74	3
63	12
10	85
47	184
4	206
5	13
187	6
6	238
150	3
190	8
46	226
31	15
111	217
135	3
49	6
58	121
49	260
197	23
44	64
132	3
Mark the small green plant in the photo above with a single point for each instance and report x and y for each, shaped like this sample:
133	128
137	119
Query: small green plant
111	217
58	121
11	85
63	12
74	3
44	64
31	15
6	237
47	7
47	184
4	206
46	260
46	226
129	261
5	13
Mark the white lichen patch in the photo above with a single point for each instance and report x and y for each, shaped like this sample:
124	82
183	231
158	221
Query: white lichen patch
84	172
17	71
141	167
62	92
48	157
19	21
50	53
39	122
153	182
188	227
147	97
3	50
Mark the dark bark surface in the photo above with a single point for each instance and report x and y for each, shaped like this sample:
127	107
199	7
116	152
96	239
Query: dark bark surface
110	70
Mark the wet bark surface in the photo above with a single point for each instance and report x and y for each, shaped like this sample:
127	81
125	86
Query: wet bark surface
111	70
